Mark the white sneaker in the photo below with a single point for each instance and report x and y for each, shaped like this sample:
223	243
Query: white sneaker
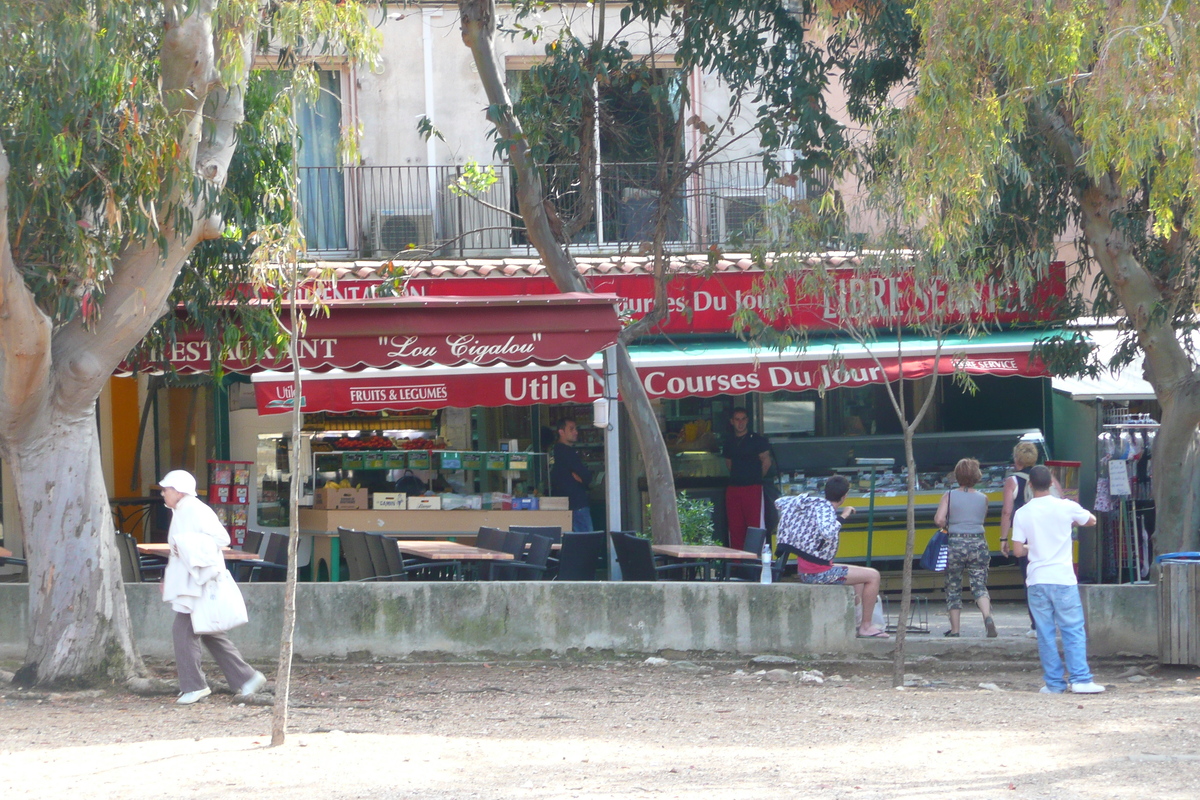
253	685
1048	690
1031	634
187	698
1087	688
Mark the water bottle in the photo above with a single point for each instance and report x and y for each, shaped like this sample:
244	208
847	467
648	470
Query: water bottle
765	576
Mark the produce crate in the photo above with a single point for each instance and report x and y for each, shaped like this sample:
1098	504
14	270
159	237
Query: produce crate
495	461
397	459
374	461
450	459
419	459
472	460
352	460
518	460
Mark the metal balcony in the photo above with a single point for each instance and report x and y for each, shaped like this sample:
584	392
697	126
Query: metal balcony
412	212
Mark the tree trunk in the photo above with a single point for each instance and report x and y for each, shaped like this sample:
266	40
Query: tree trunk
79	621
477	21
1176	455
910	520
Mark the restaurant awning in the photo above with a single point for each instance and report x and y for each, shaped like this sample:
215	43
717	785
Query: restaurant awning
417	331
695	370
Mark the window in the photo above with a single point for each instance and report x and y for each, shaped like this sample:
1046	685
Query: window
322	181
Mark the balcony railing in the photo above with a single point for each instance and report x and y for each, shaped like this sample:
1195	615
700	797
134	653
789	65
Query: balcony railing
411	212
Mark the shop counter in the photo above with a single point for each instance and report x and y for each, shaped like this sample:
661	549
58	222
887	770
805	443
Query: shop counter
891	524
322	525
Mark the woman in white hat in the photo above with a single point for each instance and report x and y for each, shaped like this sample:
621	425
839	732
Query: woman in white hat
196	537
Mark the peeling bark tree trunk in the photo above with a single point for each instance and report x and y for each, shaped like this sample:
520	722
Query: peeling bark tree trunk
477	20
79	621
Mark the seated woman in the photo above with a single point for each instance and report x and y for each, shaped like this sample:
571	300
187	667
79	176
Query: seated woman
810	527
962	512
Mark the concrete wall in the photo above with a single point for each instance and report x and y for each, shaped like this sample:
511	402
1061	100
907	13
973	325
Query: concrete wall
397	619
1121	619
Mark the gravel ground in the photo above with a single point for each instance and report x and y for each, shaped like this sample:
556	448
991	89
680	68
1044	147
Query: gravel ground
624	728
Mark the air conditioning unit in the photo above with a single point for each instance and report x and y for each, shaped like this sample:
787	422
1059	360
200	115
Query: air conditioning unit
402	234
743	215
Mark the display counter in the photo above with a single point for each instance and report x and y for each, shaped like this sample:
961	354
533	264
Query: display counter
891	524
322	525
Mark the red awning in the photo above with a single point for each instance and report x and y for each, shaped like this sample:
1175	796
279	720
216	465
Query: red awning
416	331
666	372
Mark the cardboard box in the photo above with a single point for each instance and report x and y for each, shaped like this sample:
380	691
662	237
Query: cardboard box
422	503
554	503
341	499
453	502
392	500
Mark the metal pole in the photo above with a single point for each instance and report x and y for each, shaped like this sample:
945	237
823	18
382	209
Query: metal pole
612	458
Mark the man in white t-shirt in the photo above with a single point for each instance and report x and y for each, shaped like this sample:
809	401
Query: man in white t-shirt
1042	529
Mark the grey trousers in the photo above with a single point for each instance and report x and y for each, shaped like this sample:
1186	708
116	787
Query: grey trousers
187	656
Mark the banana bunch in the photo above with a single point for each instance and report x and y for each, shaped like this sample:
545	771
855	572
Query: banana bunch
343	484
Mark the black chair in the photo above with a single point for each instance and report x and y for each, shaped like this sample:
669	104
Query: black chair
359	566
552	532
582	556
636	559
131	567
515	545
533	567
272	567
490	539
745	570
252	541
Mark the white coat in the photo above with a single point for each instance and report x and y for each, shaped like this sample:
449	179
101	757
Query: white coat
196	537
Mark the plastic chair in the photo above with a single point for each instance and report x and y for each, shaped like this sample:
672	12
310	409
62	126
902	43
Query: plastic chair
745	571
582	556
636	558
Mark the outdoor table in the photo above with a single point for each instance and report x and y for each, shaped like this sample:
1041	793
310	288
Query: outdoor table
5	553
163	550
440	550
705	553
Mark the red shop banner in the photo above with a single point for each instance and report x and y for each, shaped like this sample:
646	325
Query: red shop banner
707	303
400	390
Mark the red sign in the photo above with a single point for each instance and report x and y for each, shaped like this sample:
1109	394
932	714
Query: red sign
707	303
416	331
433	388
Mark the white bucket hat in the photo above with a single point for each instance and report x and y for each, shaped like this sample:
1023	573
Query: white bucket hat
180	480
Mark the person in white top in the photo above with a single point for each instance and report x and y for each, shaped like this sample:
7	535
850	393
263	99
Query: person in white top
196	537
1042	529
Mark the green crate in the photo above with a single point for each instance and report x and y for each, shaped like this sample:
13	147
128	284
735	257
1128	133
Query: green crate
418	459
472	460
397	459
450	459
495	461
518	460
352	460
374	461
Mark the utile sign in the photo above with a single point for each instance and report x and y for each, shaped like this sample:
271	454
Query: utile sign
706	304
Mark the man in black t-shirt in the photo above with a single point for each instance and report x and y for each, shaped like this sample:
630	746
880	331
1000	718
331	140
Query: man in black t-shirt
569	476
748	457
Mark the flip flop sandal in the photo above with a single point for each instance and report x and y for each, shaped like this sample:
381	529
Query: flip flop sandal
950	634
992	633
876	635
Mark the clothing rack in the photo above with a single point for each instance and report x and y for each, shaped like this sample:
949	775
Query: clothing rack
1125	496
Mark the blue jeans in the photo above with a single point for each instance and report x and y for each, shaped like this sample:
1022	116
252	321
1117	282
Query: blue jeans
581	519
1054	606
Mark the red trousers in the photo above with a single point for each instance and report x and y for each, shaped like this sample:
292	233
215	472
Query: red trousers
743	509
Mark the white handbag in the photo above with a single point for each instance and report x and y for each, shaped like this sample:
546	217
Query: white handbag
220	606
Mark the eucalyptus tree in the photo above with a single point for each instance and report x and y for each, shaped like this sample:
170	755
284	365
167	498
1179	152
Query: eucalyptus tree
118	124
1031	121
764	55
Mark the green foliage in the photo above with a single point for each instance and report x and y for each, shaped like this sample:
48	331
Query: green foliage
695	520
101	163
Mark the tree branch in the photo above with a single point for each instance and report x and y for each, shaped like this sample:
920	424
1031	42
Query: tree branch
24	335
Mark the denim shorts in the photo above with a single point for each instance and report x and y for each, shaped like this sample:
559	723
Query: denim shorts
835	574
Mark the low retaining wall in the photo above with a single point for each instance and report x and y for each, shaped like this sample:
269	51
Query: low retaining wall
1121	619
397	619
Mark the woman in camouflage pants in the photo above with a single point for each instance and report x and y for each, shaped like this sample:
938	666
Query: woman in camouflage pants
962	512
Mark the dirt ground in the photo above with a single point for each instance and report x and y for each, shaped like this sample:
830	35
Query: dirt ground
689	727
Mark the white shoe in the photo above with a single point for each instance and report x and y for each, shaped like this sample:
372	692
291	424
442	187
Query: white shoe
1031	634
1048	690
1087	688
187	698
253	685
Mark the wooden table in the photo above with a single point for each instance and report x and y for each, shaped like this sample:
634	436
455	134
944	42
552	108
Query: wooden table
163	550
438	550
705	553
